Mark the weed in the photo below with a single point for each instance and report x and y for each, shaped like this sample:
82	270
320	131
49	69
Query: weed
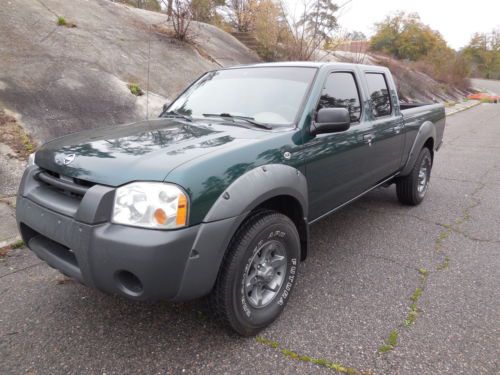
390	343
267	342
444	234
304	358
393	338
61	21
385	348
412	314
17	244
443	265
15	136
28	144
135	89
416	294
5	250
423	272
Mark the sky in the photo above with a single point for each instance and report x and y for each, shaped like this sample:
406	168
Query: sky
455	20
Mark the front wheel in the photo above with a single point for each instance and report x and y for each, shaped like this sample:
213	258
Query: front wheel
258	273
411	189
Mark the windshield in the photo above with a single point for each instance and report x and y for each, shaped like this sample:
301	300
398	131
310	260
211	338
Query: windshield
268	95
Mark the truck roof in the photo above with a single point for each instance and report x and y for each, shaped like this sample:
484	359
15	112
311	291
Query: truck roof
310	64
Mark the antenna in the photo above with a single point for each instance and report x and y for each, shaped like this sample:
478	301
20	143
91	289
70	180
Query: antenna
147	82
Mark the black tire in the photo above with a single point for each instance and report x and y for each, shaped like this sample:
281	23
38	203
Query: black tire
230	301
409	188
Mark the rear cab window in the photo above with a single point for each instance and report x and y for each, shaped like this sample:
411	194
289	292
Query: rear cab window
341	91
378	90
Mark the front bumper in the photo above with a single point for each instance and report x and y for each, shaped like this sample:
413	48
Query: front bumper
138	263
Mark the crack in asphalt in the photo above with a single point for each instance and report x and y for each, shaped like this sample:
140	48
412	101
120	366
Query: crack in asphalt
317	361
466	217
21	269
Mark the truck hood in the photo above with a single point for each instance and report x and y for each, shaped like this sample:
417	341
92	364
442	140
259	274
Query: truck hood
142	151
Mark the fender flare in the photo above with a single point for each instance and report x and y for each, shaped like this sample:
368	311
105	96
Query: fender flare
256	186
226	215
427	130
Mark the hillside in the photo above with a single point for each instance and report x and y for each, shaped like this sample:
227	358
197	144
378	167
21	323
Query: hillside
59	79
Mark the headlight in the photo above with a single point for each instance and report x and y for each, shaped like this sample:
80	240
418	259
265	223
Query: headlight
150	205
31	160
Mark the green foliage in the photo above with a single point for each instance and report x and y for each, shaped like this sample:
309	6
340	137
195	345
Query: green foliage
61	21
404	36
412	314
205	10
423	271
390	343
305	358
135	89
444	265
483	52
393	338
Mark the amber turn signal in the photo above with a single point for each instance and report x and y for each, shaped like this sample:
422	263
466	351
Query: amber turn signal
181	210
160	216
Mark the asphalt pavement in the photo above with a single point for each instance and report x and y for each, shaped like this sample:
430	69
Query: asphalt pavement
386	289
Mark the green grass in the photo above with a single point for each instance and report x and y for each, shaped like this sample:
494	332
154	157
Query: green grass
28	145
443	265
304	358
423	271
390	343
5	250
444	234
412	315
61	21
135	89
17	244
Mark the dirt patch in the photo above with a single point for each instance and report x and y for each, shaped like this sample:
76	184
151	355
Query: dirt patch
13	135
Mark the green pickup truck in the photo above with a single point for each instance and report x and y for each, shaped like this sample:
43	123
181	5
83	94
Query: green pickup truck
215	197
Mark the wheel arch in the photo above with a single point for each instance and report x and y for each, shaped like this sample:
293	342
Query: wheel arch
277	187
426	137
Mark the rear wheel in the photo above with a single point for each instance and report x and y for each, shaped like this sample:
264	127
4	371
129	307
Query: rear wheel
258	273
411	189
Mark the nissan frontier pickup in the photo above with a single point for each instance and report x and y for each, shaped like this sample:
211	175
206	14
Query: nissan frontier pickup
215	197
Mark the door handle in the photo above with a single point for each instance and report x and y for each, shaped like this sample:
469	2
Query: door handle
397	129
368	138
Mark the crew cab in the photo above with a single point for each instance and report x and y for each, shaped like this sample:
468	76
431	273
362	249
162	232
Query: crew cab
215	197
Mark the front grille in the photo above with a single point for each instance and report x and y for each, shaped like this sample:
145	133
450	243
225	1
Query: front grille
68	185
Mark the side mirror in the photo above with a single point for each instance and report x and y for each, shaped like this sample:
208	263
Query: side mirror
331	120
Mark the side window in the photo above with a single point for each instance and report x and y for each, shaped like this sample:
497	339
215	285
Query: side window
379	94
341	91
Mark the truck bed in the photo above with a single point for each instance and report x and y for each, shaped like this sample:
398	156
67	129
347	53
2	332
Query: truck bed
417	114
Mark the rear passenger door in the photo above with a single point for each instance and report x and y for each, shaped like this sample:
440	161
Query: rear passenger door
385	139
338	164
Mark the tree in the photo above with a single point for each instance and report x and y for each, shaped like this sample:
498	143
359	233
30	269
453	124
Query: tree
404	36
483	52
205	10
242	14
271	31
314	28
181	18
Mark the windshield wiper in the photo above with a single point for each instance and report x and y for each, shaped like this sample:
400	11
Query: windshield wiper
176	114
249	120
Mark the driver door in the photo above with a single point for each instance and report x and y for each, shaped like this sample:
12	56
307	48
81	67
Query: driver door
337	163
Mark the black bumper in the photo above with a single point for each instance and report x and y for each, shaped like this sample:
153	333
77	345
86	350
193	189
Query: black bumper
134	262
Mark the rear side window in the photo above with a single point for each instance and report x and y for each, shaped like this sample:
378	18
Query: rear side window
379	94
341	91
